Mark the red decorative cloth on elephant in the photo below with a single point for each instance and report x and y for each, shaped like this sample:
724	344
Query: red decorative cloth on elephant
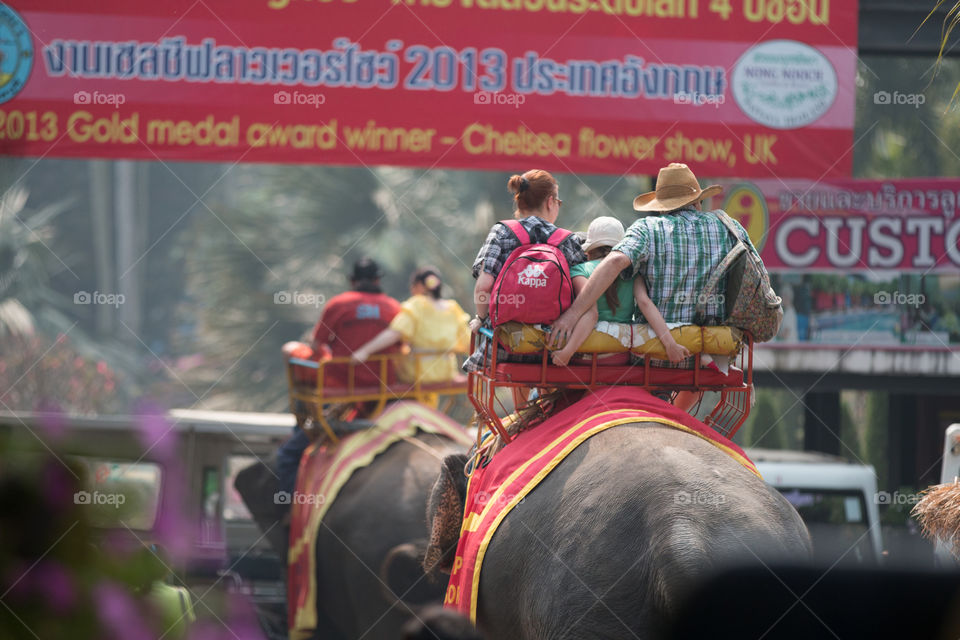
519	467
324	470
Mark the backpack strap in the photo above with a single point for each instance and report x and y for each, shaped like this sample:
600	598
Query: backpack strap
714	281
728	223
739	247
558	236
518	230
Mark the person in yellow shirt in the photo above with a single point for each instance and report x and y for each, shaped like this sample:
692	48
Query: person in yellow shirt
426	323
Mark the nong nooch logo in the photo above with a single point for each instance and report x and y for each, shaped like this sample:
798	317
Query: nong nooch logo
784	84
16	53
533	276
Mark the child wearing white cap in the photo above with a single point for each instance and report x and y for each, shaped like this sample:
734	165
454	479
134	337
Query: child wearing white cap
619	302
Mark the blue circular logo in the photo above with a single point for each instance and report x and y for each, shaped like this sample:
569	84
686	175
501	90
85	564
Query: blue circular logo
16	53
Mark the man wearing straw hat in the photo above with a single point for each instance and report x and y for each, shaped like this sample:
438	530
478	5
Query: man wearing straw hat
674	246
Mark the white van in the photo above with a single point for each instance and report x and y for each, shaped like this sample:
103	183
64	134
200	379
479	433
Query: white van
951	455
836	499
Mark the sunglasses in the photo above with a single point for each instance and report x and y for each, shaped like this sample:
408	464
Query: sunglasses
559	201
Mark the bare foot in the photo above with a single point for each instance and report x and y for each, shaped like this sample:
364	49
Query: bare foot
561	358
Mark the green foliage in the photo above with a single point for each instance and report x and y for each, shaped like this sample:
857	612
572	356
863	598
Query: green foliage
775	422
850	427
38	363
905	140
875	434
950	22
26	297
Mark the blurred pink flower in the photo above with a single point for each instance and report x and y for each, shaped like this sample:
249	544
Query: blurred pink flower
119	614
58	486
53	425
55	585
46	583
156	434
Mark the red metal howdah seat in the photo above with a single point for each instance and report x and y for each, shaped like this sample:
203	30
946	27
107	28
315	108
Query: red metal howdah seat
734	387
315	398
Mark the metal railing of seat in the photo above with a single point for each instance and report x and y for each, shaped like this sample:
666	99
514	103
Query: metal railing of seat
313	398
735	388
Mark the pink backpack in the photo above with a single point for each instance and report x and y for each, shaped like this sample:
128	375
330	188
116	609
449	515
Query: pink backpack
534	284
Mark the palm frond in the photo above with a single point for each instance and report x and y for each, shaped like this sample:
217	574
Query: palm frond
938	512
950	22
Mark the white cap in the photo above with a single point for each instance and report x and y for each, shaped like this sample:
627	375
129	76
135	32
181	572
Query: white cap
603	232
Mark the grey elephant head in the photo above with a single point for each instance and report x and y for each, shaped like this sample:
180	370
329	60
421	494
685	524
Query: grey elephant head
445	515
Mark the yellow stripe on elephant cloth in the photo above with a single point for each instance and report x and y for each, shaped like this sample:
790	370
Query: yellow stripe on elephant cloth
471	522
339	472
558	457
403	420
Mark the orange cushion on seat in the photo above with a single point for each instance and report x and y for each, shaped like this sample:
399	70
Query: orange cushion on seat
629	375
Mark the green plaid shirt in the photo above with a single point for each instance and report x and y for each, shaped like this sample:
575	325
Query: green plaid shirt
675	253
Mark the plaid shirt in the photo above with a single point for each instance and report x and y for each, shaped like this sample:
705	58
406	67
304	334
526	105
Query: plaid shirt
501	242
676	253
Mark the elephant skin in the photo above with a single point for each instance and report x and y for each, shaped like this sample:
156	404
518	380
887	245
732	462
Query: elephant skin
611	540
370	545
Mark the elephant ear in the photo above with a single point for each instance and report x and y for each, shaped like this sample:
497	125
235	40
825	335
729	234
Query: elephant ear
445	515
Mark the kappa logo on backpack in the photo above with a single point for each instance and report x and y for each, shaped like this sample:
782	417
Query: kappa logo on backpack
534	275
534	284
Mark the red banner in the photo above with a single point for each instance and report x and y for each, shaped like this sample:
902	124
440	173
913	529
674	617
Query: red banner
735	87
850	225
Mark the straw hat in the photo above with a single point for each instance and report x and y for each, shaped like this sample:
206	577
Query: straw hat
676	187
603	232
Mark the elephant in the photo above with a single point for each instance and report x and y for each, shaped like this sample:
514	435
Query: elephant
371	542
611	540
